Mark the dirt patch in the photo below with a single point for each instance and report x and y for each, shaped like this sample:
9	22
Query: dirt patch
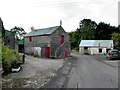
14	82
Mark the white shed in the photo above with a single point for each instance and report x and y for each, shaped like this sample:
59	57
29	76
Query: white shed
95	46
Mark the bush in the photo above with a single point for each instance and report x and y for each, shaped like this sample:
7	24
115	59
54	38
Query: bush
6	65
10	59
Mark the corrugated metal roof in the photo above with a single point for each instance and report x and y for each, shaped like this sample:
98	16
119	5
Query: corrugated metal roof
96	43
44	31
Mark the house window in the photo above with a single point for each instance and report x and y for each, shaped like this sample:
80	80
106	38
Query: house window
62	39
100	50
30	39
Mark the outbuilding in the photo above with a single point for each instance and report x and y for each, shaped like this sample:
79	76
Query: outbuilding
95	46
49	42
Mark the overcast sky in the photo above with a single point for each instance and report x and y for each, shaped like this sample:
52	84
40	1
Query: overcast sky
47	13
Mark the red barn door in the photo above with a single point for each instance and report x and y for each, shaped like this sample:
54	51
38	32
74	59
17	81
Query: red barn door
65	54
62	39
47	52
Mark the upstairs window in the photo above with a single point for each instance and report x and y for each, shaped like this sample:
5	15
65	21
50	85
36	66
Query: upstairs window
62	39
30	39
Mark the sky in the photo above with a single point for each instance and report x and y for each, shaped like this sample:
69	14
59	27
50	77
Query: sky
48	13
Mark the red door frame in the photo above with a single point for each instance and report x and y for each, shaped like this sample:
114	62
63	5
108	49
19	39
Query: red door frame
47	52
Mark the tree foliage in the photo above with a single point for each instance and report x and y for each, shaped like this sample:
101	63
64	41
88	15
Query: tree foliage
116	39
75	38
104	31
18	32
10	59
89	30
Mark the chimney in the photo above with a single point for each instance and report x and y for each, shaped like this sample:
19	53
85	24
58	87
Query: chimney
60	22
32	28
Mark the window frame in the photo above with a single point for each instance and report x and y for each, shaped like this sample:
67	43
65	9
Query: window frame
30	39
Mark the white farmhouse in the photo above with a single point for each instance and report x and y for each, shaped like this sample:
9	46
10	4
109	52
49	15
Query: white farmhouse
95	46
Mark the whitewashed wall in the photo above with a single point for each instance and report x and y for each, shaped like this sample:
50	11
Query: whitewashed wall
94	51
81	50
37	51
104	50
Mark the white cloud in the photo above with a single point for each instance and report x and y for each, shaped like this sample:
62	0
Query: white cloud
46	13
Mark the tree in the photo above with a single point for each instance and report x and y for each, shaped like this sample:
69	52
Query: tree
116	39
104	31
72	39
87	29
75	38
18	32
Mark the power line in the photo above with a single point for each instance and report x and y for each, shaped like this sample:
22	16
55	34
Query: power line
61	4
58	4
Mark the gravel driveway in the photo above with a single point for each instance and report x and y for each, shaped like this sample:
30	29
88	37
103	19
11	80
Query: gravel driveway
35	73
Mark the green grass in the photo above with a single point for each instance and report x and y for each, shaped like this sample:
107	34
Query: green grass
70	59
102	54
75	52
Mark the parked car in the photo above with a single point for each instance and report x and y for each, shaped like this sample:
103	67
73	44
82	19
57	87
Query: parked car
119	54
113	54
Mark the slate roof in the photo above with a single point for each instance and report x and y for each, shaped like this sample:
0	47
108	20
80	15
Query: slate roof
41	44
44	31
8	33
95	43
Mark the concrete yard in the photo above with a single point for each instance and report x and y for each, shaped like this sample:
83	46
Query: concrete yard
34	73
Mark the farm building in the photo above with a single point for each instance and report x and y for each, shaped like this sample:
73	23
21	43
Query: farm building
1	26
49	42
9	39
95	46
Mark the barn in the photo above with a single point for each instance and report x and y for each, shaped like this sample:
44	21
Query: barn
95	46
9	38
52	42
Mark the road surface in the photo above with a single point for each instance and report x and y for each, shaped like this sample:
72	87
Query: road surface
91	73
87	72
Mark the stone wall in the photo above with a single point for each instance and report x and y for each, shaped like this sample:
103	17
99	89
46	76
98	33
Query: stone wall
57	50
36	40
52	41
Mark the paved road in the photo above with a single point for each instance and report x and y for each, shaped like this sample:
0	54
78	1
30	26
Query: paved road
86	72
92	73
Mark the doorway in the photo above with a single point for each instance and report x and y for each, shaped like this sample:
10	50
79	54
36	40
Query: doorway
47	52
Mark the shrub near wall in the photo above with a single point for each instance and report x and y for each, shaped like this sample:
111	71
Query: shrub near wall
10	59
